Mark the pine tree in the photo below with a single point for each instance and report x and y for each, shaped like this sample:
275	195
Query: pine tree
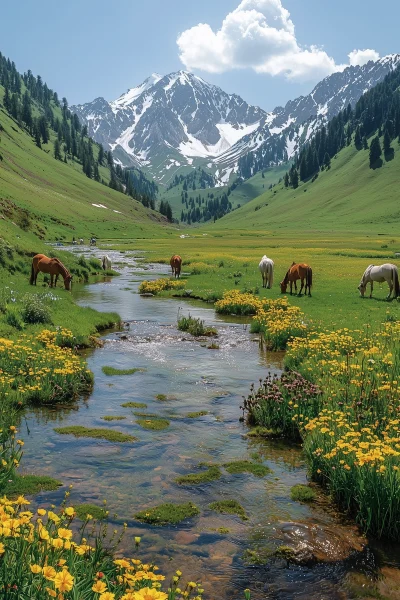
168	212
365	143
100	157
386	142
327	161
26	110
286	180
375	151
357	138
295	179
57	150
303	168
7	100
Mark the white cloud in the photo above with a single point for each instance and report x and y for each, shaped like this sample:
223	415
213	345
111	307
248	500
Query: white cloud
258	35
361	57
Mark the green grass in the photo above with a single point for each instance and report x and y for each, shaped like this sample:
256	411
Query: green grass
153	424
113	418
134	405
230	507
28	485
302	493
168	513
161	397
196	415
95	432
110	371
246	466
195	327
96	512
211	474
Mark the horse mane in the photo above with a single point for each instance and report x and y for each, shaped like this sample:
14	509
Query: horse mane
286	279
65	273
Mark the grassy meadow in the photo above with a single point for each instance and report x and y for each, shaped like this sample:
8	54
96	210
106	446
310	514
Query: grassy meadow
215	262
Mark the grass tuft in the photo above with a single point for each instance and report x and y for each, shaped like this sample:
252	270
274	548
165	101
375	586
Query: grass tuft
112	371
134	405
195	415
211	474
230	507
153	424
302	493
95	432
28	485
168	513
113	418
96	512
246	466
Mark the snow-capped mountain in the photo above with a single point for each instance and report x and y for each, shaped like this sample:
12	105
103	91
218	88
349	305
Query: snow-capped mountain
179	121
167	122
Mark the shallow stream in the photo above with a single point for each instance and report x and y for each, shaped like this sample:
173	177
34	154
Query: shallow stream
133	476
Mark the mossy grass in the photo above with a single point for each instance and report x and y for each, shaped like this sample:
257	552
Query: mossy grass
168	513
285	552
161	397
113	418
302	493
246	466
195	327
134	405
110	435
211	474
96	512
230	507
111	371
28	485
155	424
213	346
145	414
263	432
195	415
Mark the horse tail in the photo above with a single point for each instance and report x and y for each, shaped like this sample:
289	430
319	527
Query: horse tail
309	277
271	274
396	282
32	279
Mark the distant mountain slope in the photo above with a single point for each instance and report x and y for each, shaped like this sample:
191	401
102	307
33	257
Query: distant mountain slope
173	123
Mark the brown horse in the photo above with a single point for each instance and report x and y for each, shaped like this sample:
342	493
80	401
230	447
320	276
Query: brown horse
52	266
298	271
176	264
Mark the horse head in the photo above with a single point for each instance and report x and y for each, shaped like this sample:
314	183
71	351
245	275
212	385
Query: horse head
67	282
284	283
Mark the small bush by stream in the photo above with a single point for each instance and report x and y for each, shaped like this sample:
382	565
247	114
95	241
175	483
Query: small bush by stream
195	327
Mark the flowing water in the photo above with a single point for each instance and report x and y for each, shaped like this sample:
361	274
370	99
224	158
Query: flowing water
133	476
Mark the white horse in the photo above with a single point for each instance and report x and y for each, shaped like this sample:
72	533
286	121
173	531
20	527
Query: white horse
386	272
106	263
81	241
266	267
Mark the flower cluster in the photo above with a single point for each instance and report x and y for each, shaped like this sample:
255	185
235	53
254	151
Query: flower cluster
159	285
39	370
235	302
279	323
42	557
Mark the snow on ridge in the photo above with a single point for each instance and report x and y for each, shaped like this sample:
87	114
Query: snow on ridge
229	136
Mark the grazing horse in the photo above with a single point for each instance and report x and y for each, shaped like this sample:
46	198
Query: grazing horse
93	241
266	267
81	241
386	272
176	265
106	263
298	271
52	266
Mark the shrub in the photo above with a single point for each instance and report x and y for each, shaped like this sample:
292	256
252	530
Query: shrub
195	327
302	493
35	310
159	285
14	318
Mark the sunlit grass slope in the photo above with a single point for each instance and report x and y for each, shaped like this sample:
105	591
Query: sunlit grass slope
59	198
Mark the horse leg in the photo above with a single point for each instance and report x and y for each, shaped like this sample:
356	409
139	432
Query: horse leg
55	281
372	288
301	287
291	287
390	290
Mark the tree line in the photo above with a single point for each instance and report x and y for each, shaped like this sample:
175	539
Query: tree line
38	109
375	117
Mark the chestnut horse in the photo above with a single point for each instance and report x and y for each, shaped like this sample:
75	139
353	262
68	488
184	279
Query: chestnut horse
52	266
298	271
176	264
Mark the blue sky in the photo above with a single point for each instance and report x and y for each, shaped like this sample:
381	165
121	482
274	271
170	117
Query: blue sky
88	48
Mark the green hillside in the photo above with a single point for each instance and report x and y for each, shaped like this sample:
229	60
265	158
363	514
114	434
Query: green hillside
58	197
349	196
